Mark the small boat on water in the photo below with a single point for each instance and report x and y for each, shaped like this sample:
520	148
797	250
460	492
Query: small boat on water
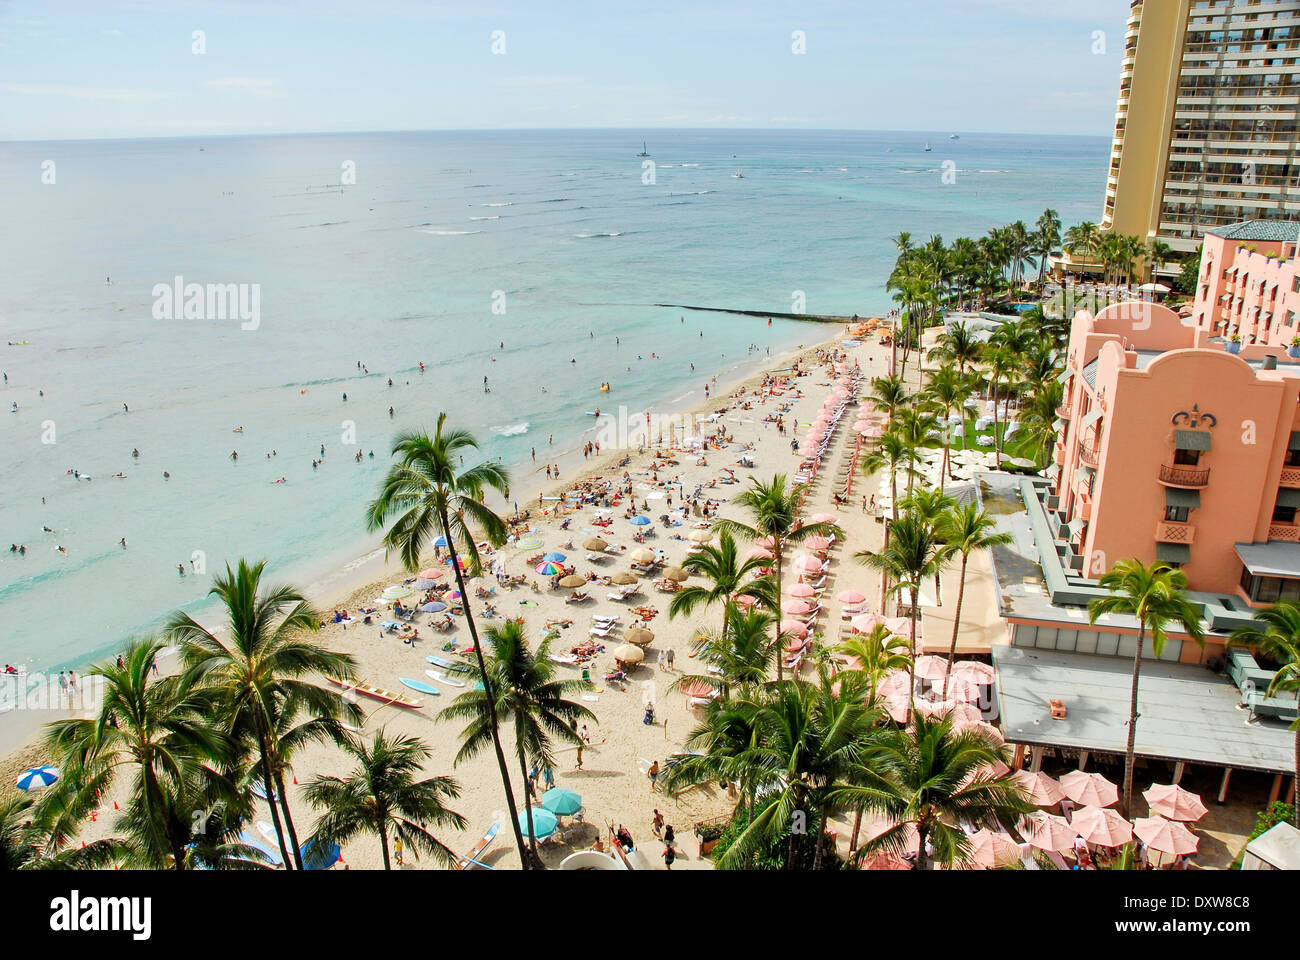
954	137
376	693
928	148
643	150
738	175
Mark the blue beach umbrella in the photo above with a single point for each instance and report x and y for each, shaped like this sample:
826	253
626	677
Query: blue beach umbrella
316	857
38	778
557	557
640	520
544	823
433	606
561	801
441	542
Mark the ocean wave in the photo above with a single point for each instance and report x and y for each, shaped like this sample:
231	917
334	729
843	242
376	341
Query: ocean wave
512	430
496	217
690	193
588	236
327	223
690	164
507	203
449	233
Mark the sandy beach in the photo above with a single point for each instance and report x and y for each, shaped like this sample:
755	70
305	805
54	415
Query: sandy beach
612	783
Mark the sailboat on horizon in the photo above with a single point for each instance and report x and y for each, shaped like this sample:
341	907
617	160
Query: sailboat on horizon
643	150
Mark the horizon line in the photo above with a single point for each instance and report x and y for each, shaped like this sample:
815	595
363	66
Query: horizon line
330	133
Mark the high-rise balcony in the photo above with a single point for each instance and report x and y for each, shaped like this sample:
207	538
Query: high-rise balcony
1284	531
1290	477
1088	454
1180	476
1168	531
1063	411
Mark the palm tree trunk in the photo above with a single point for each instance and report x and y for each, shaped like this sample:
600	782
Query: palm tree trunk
911	666
288	819
857	826
488	692
1295	784
268	783
997	441
779	544
532	833
1132	722
383	842
947	445
921	859
817	848
956	625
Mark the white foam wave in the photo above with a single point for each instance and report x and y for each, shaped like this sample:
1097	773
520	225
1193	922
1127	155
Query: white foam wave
513	430
449	233
495	217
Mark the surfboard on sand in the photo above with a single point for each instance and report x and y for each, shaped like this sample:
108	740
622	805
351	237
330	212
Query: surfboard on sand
272	856
418	685
443	678
440	661
471	859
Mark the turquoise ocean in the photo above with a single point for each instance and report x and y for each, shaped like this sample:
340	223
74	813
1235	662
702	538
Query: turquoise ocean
519	256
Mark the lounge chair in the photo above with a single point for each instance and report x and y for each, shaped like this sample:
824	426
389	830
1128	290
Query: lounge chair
601	632
577	597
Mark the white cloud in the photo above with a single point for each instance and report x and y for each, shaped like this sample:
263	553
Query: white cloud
257	86
83	93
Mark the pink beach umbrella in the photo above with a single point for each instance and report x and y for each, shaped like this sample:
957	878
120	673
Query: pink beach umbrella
973	671
767	543
1041	789
808	564
992	850
987	730
821	518
959	689
1172	801
794	627
1091	789
696	688
1048	832
865	623
898	707
885	861
758	553
899	626
817	544
1102	825
433	573
930	668
894	684
745	601
1166	836
851	597
802	590
795	607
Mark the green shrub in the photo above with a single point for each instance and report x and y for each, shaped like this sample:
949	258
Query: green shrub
774	854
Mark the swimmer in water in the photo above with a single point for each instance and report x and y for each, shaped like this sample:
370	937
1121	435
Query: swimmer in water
125	408
136	453
180	568
123	543
166	475
234	454
345	398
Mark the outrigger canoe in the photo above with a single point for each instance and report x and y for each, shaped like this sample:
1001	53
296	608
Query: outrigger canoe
471	859
388	696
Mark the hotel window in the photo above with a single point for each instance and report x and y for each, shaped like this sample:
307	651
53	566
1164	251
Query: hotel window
1292	458
1269	589
1177	514
1187	458
1283	514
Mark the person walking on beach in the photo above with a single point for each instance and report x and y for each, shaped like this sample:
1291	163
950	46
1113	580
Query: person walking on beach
669	857
657	824
397	850
653	774
671	655
579	766
586	737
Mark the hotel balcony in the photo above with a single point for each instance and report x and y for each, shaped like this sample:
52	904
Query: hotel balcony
1284	531
1290	477
1175	476
1063	411
1058	454
1085	506
1169	532
1088	454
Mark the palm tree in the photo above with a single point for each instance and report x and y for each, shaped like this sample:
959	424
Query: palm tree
728	576
739	654
157	734
913	554
381	796
890	453
1002	364
775	511
932	507
29	844
526	693
719	749
1157	252
914	427
1046	239
966	529
888	393
807	740
1276	633
930	778
877	654
1037	422
258	676
950	390
1083	240
428	495
1156	596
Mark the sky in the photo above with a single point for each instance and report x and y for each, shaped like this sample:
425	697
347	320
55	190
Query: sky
88	69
